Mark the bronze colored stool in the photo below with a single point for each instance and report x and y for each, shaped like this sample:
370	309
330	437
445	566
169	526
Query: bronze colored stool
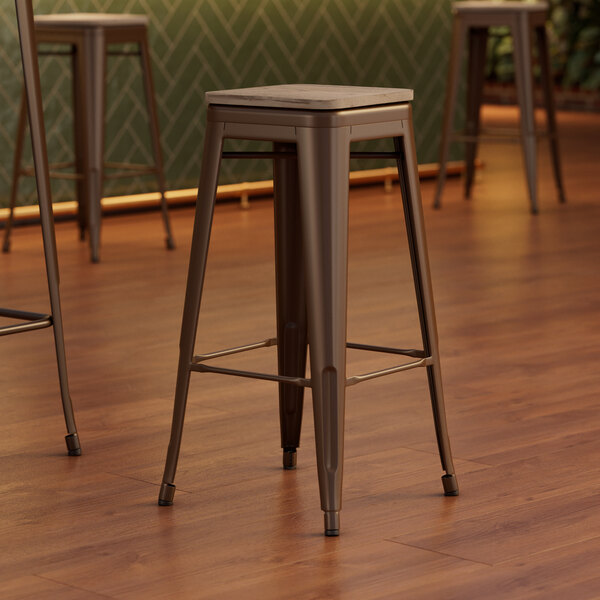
89	36
471	19
31	321
311	127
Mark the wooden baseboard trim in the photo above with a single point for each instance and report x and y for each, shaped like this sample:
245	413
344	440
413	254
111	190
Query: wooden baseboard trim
244	191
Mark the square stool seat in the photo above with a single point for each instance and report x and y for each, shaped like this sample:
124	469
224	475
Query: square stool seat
79	20
499	6
310	97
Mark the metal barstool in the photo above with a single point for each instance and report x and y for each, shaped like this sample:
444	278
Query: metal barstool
89	36
311	127
31	321
471	19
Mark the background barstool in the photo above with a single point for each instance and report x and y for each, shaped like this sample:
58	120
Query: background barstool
311	127
471	19
89	36
31	321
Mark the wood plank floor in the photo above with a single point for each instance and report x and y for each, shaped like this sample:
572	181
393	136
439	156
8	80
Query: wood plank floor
518	314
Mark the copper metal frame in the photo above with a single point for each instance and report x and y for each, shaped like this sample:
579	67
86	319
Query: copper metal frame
89	46
473	25
31	321
311	171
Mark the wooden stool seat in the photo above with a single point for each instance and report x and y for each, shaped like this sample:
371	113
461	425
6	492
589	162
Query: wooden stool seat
489	6
310	97
90	20
311	128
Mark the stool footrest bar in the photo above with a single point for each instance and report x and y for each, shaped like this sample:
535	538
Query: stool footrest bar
33	321
299	381
262	344
407	352
424	362
196	364
287	154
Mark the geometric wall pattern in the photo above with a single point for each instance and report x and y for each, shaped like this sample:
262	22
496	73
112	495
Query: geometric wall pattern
201	45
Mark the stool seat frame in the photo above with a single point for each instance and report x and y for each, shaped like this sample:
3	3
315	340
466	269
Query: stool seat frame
311	172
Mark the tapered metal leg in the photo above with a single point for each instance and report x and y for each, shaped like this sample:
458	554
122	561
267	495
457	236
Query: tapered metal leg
40	161
18	157
207	190
155	135
80	136
548	88
475	79
524	84
94	51
291	302
323	160
411	198
456	55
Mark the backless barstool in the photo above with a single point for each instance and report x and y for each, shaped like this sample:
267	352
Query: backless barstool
311	127
471	19
89	36
30	321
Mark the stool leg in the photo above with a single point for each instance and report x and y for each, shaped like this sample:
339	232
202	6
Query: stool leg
40	160
18	157
411	198
80	137
155	135
207	190
95	67
475	79
524	82
323	161
456	55
547	85
291	301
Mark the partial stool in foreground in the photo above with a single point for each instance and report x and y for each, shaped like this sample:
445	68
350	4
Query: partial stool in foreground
28	321
91	38
471	20
311	128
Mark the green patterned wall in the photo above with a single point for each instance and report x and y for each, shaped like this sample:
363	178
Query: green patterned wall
201	45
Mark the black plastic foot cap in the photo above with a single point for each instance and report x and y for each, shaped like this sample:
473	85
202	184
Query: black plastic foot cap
332	523
170	244
289	458
166	495
73	447
450	485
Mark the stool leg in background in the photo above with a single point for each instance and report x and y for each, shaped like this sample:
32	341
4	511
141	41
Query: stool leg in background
207	190
456	56
291	301
155	135
323	162
547	85
94	59
520	31
16	175
415	227
40	160
80	136
475	80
